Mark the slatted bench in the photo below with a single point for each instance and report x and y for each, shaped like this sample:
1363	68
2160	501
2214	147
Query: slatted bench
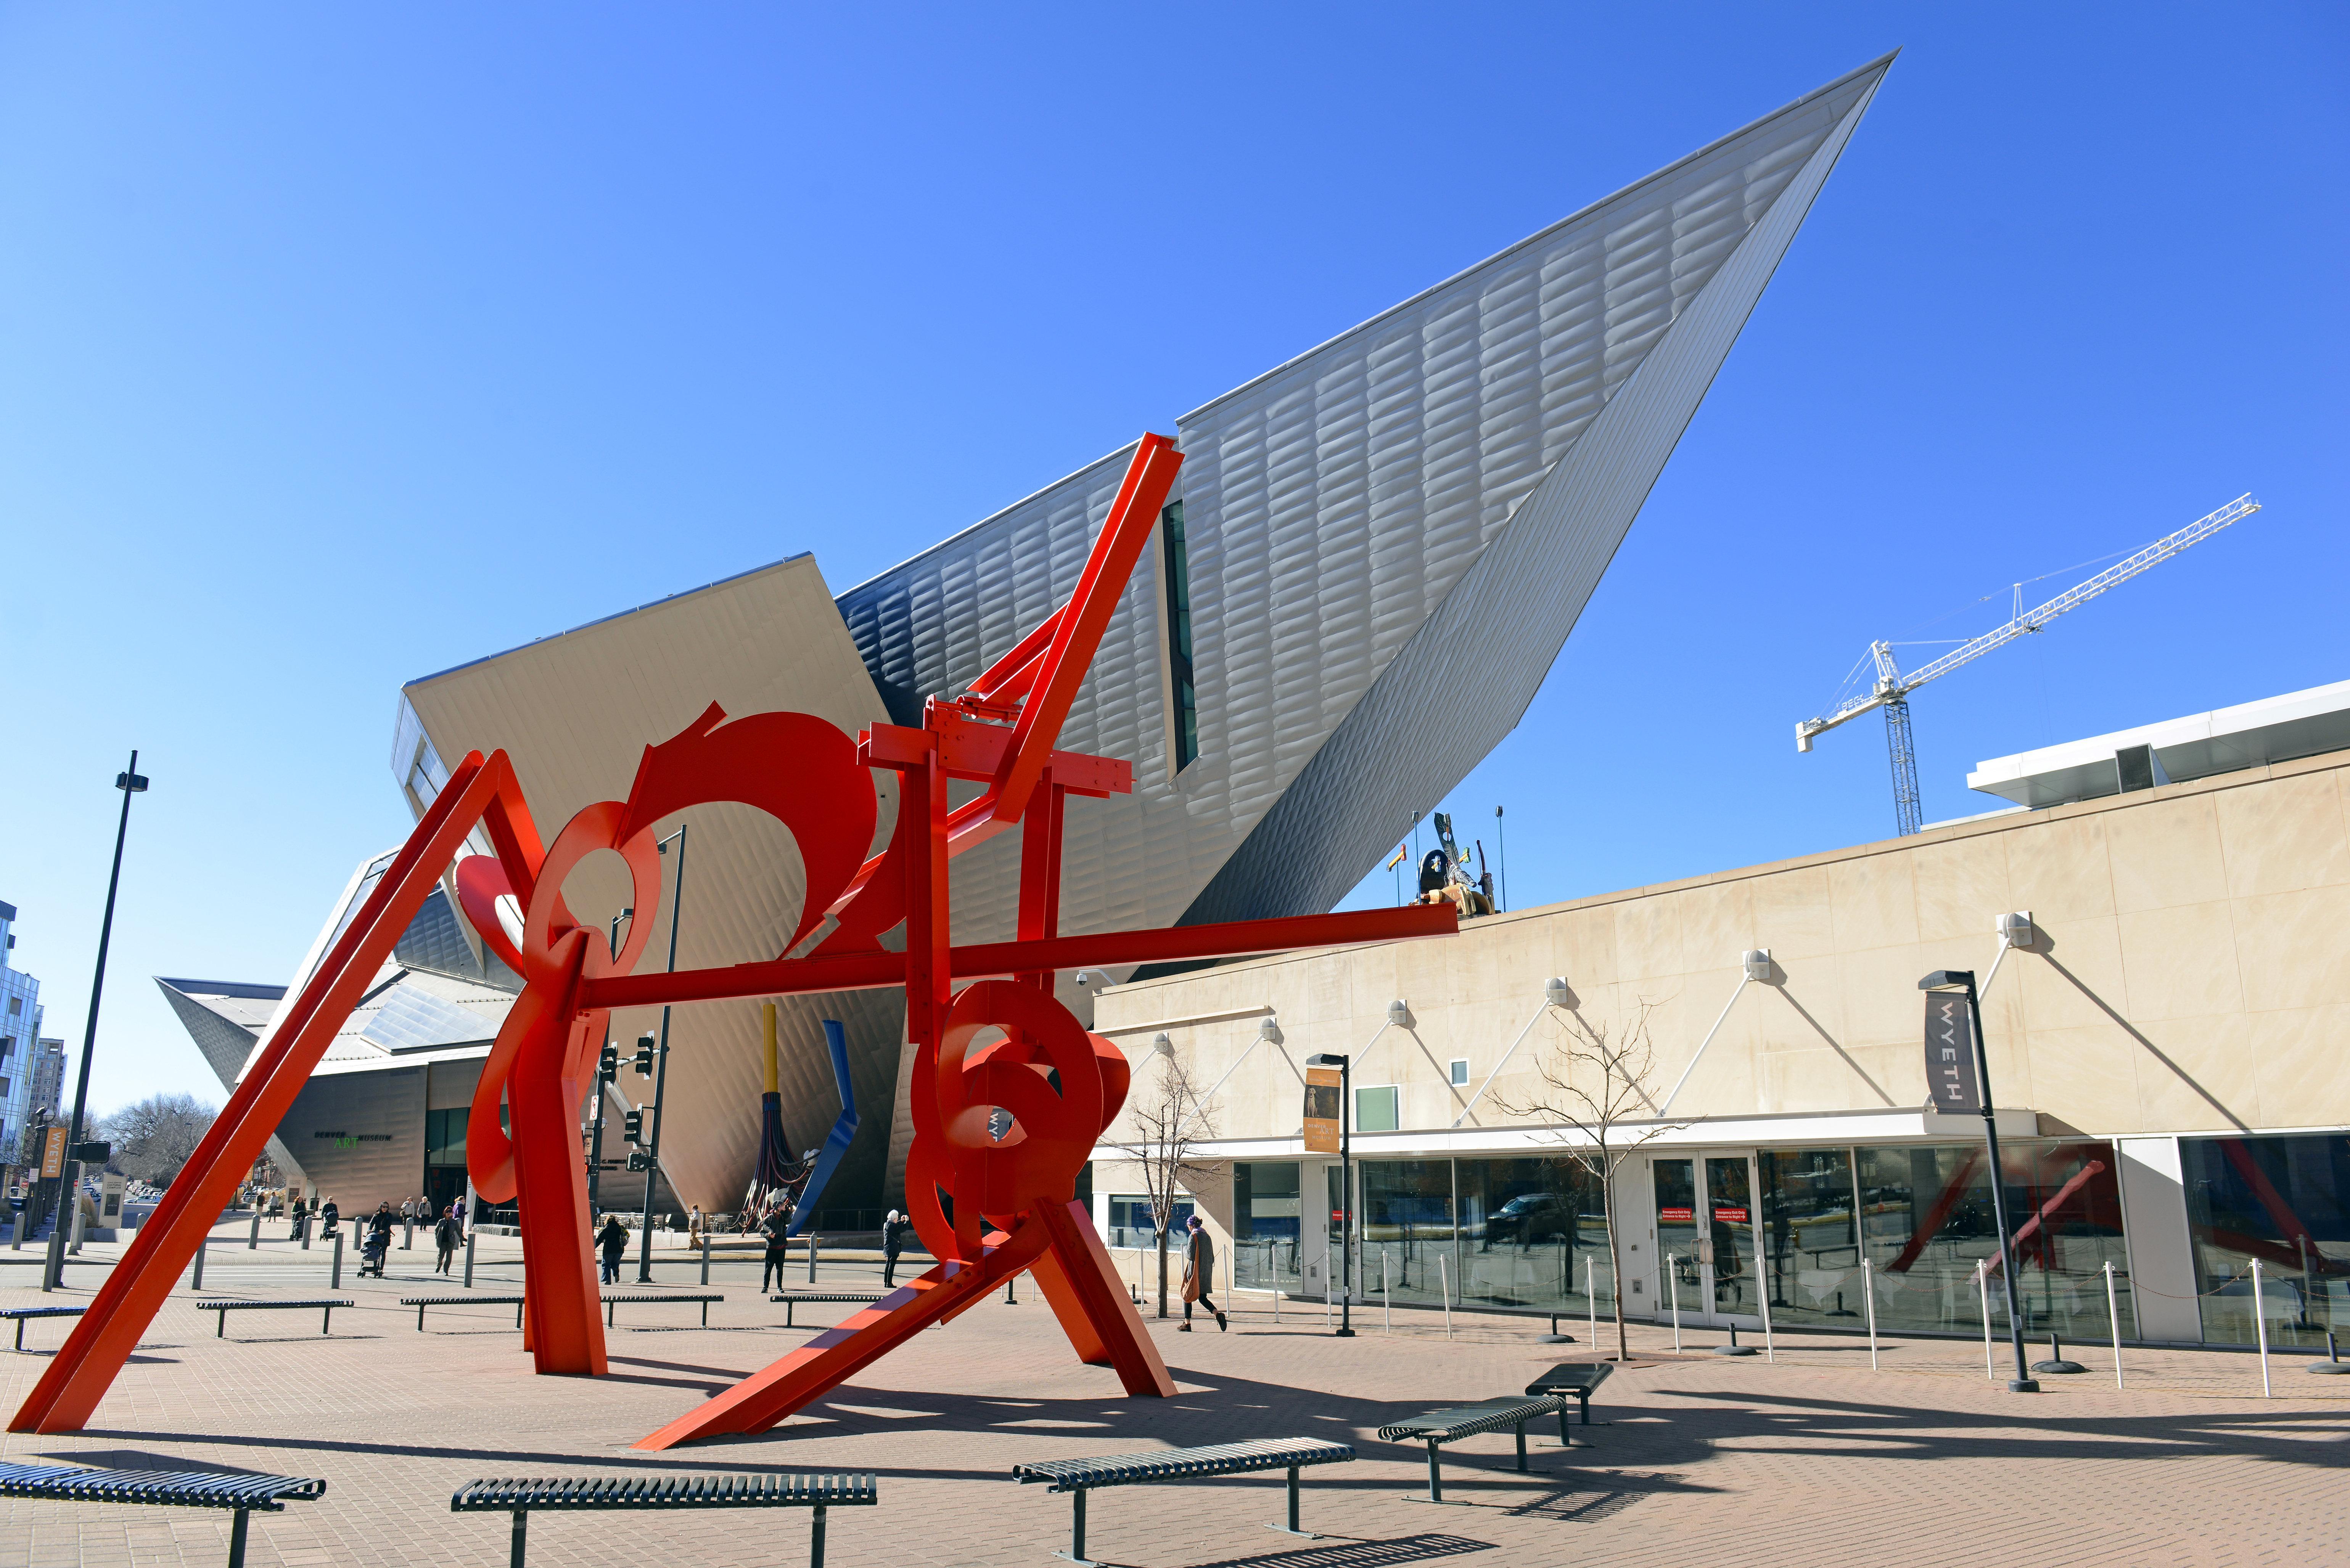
176	1488
1577	1379
325	1304
1078	1477
22	1314
1438	1428
519	1495
421	1303
631	1296
795	1298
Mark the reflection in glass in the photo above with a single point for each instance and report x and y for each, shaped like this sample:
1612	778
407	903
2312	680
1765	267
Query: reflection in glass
1730	1216
1130	1226
1675	1182
1520	1224
2286	1201
1810	1245
1407	1226
1266	1225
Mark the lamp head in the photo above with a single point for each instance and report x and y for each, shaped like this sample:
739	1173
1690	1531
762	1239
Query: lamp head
1328	1059
1554	991
1398	1013
2016	929
1269	1030
1948	979
1162	1046
1757	963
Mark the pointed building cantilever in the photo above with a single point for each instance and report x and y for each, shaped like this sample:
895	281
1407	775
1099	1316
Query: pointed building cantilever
1377	550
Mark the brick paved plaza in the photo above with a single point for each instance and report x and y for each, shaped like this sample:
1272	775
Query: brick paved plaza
1814	1458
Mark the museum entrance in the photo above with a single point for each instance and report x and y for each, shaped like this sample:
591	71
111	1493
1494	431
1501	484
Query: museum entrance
1705	1237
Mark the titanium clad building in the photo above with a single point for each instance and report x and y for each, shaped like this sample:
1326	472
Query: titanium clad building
1388	537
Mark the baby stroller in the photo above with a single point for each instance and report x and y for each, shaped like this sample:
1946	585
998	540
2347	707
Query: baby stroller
371	1252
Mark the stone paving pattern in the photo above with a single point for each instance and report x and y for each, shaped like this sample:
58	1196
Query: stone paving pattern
1810	1459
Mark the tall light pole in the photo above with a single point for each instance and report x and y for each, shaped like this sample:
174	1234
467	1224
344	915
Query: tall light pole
1964	979
661	1062
1345	1064
130	782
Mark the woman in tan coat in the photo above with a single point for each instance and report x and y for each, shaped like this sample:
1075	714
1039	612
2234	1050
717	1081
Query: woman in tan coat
1198	1274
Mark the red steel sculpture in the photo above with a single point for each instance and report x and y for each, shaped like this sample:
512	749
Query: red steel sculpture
989	1207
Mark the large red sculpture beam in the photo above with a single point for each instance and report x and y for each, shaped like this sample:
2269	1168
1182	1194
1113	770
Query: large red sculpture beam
987	1206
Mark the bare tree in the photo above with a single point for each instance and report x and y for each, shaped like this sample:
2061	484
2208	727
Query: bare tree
1167	1117
153	1138
1593	1098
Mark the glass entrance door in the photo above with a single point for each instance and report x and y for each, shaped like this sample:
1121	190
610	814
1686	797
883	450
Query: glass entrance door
1705	1237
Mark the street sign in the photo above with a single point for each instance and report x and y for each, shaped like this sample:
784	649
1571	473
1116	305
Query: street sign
1950	1075
53	1152
1322	1108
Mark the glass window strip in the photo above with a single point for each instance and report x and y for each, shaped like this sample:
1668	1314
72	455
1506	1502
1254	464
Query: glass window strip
1180	690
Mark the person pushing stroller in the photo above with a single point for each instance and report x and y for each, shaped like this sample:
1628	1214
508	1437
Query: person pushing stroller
378	1242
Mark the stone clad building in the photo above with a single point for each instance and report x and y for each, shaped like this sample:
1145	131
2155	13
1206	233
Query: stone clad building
2164	1051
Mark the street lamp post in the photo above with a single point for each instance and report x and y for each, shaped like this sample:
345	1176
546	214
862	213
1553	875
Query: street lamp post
661	1063
130	782
1964	979
1345	1064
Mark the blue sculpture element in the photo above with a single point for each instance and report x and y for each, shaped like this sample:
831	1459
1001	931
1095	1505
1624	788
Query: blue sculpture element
835	1144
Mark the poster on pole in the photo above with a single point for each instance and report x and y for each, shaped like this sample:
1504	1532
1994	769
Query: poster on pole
1951	1076
53	1152
1322	1107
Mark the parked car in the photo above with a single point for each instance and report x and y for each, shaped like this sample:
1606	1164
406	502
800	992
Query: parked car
1529	1218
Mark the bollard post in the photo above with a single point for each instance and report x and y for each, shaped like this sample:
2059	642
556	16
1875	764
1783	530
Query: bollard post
1673	1285
1983	1288
253	1239
17	1245
2261	1323
1444	1289
1869	1288
469	1260
335	1279
198	1283
1591	1296
705	1257
304	1224
1762	1305
2113	1317
1387	1317
1009	1299
811	1257
408	1242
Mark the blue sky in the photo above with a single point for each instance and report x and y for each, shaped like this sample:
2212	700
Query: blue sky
342	346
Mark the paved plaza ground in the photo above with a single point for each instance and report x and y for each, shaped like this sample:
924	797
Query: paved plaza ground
1813	1458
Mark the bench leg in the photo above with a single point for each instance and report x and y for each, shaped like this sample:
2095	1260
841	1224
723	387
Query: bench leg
222	1319
1290	1527
236	1540
517	1314
20	1333
816	1537
521	1535
327	1321
1521	1447
1435	1476
420	1320
609	1308
1562	1426
1077	1552
705	1315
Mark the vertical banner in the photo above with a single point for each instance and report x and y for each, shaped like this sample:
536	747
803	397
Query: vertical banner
53	1152
1951	1076
1322	1089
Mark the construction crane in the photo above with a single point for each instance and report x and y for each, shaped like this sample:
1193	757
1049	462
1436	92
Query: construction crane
1891	688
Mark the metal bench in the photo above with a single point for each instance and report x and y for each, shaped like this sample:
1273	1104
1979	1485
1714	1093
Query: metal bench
1574	1377
421	1303
1440	1427
519	1495
792	1298
1078	1477
21	1313
327	1305
177	1488
661	1296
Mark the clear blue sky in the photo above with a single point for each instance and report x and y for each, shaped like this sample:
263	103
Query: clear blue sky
342	345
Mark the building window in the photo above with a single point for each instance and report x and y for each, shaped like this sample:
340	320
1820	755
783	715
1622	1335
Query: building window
1375	1109
2286	1201
444	1136
1265	1214
1180	692
5	1088
1460	1071
1130	1226
7	1046
15	1005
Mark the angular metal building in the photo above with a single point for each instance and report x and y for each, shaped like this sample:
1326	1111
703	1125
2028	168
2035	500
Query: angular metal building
1378	549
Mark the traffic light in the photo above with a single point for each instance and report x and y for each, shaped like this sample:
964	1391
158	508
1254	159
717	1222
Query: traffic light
639	1160
607	1065
645	1055
632	1126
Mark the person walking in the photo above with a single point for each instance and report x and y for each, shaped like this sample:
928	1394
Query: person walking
300	1217
1198	1274
615	1242
693	1227
893	1242
775	1227
448	1236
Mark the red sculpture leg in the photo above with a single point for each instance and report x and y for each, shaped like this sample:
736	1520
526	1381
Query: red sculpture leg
80	1373
1082	1285
831	1358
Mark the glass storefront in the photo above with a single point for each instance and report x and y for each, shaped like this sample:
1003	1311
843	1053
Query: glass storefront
1130	1226
1527	1226
1407	1232
1265	1215
2285	1201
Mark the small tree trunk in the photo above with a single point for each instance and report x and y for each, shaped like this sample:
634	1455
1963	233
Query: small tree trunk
1614	1265
1162	1271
